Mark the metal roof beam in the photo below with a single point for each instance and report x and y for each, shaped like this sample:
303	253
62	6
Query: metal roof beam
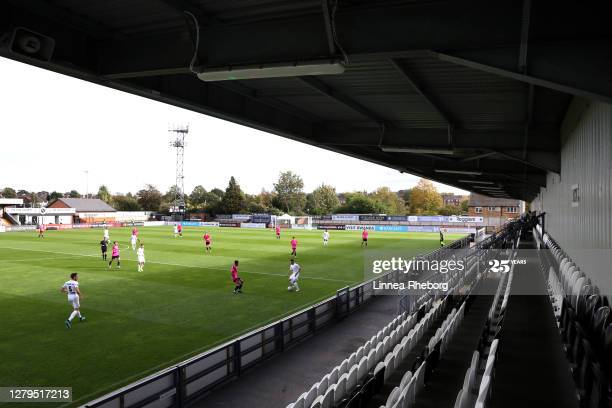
577	68
404	70
323	88
547	162
546	140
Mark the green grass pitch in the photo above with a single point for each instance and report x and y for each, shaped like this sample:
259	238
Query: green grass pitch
182	303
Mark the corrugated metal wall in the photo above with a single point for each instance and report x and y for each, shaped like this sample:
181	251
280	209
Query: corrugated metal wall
586	161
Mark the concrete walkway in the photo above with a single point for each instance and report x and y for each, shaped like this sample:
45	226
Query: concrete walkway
280	380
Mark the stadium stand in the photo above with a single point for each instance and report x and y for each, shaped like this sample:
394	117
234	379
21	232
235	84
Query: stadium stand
583	320
480	374
392	368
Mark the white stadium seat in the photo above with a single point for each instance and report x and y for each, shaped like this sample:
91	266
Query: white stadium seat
328	398
318	402
371	360
362	370
389	365
334	375
340	389
393	397
344	367
311	395
406	380
323	385
351	380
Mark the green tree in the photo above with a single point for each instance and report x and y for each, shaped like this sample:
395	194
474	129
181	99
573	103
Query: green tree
197	198
125	203
9	193
360	203
464	206
104	194
253	205
55	195
289	194
406	197
266	199
233	200
168	199
74	194
323	200
424	198
218	192
391	202
149	198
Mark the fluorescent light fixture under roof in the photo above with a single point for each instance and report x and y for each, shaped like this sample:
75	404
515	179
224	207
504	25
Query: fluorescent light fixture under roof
476	181
293	69
468	172
489	187
430	150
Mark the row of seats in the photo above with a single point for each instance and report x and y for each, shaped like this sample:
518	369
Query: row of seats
477	382
343	379
585	324
360	372
404	395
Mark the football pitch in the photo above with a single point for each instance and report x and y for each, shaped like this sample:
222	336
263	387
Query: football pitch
182	304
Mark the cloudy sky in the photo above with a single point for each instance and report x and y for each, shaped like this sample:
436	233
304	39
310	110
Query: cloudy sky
54	128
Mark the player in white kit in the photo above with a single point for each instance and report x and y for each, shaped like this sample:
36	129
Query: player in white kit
176	231
295	270
106	234
71	288
133	241
325	237
141	258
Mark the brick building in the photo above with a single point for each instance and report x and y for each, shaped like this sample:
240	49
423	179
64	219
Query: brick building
495	211
87	209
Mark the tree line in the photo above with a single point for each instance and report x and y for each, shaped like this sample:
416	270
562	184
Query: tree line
287	196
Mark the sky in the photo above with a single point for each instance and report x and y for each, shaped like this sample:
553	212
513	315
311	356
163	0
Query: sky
61	133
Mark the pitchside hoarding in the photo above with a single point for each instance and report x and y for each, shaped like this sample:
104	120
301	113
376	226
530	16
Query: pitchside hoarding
261	218
229	224
373	218
465	219
459	230
252	225
331	227
397	218
360	227
391	228
345	217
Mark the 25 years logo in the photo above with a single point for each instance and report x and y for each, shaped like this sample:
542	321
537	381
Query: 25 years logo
499	266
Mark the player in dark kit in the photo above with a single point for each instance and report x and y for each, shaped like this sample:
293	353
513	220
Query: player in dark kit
441	239
236	279
104	248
